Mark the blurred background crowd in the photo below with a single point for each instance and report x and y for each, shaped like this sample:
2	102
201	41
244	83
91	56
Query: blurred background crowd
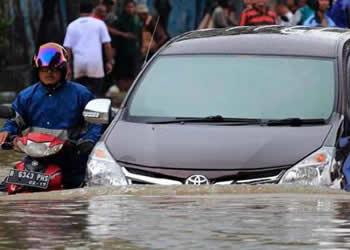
138	28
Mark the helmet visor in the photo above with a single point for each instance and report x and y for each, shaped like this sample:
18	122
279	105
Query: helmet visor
49	57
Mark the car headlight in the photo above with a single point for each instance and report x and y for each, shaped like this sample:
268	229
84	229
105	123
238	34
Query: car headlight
313	170
102	168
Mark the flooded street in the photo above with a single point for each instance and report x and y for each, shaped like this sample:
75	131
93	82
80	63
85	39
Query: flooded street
102	219
183	217
173	92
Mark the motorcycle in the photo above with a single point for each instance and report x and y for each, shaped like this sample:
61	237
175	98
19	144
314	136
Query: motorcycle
36	172
41	169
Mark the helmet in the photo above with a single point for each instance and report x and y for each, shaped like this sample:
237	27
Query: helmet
50	55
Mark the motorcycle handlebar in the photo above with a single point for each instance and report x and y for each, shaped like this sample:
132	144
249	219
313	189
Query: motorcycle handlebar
73	143
8	144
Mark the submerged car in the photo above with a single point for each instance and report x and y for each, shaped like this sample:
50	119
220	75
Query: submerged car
245	105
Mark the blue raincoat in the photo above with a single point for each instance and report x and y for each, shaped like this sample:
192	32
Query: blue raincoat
56	111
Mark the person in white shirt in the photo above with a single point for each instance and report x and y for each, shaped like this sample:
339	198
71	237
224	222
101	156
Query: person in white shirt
86	40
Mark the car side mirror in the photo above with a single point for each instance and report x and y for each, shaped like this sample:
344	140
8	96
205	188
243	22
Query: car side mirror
7	112
98	111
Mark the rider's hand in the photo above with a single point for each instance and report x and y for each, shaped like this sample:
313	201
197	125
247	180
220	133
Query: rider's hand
130	36
3	137
85	147
109	67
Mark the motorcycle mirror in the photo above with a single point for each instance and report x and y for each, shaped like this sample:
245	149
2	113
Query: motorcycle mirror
98	111
6	112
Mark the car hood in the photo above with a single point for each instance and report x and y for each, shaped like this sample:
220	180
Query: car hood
201	146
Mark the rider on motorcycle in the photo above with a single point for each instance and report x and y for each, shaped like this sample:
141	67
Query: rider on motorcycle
55	105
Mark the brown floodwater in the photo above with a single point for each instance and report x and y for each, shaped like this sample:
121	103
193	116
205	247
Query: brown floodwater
178	217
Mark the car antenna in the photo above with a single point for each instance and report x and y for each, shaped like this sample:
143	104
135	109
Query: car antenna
150	44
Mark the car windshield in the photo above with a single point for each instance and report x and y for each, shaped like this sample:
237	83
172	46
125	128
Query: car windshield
235	86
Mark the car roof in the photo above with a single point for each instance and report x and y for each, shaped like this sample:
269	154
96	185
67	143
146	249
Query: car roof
264	40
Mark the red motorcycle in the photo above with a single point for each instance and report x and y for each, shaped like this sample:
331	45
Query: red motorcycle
36	172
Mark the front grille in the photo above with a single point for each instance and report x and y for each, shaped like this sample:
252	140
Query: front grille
149	172
144	175
138	182
261	174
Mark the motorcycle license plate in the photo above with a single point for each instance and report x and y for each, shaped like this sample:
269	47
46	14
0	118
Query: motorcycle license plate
29	179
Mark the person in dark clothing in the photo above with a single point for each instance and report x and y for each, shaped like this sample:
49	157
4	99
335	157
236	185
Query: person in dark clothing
128	49
55	106
321	18
224	15
163	9
340	13
150	43
304	11
111	15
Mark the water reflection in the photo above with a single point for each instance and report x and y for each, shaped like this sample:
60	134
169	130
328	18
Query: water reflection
213	222
7	162
97	219
49	225
31	224
338	233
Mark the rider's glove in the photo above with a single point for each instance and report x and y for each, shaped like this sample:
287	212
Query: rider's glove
85	147
343	148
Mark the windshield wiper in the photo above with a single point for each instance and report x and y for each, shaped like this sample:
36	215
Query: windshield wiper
208	119
294	122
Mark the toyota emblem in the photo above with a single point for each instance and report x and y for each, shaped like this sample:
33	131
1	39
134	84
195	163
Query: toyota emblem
197	180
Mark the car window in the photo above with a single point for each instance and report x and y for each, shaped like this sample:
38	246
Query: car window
260	87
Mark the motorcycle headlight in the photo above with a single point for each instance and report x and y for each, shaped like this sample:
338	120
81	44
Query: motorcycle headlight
38	150
314	170
102	170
